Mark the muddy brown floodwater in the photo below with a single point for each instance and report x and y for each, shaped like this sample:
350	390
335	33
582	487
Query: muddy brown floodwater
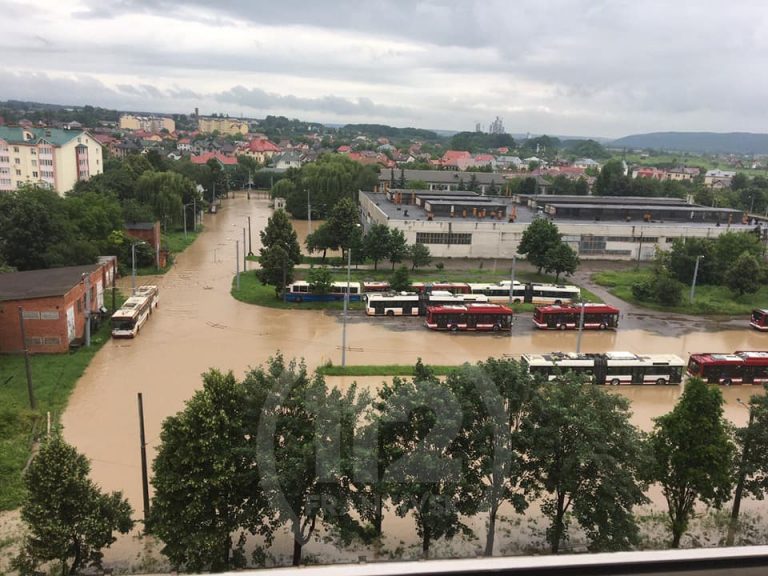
199	326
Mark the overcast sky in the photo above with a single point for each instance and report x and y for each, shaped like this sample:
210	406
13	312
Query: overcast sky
566	67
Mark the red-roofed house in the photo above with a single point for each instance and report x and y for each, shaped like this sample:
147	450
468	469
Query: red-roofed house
261	150
370	157
458	159
648	172
344	149
184	145
485	160
222	159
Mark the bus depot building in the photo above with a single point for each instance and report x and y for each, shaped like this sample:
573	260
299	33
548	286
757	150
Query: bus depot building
463	224
53	304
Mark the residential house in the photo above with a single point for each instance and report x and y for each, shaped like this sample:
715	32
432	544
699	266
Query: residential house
648	172
288	159
184	145
456	159
53	305
223	160
509	163
682	173
261	150
722	176
49	157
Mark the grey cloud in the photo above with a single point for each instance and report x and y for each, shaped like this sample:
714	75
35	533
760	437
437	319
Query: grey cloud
261	100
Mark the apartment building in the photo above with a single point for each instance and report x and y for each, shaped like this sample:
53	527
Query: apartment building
228	126
50	157
151	124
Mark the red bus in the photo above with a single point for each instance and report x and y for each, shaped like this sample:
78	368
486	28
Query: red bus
452	287
759	319
598	316
740	367
478	317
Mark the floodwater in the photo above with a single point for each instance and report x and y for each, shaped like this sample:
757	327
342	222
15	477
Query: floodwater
199	326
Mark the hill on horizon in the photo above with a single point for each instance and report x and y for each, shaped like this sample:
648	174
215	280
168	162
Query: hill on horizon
702	142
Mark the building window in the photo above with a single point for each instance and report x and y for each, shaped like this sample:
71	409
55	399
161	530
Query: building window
52	341
18	172
33	152
34	174
592	245
49	315
442	238
18	161
31	315
16	149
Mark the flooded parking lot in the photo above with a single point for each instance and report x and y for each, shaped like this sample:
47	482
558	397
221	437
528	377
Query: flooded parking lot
199	326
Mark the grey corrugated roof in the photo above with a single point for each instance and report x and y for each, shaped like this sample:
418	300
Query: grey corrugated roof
444	176
41	283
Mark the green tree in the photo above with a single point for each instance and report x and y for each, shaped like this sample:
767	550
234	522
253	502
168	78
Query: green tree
343	223
729	246
376	243
561	259
682	260
205	494
495	398
280	232
752	471
744	276
538	238
284	188
690	455
165	193
319	240
424	479
419	255
302	448
276	268
400	280
397	247
612	181
69	519
585	455
320	280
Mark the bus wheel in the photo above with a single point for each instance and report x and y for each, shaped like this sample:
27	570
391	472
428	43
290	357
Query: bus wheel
516	301
562	327
299	299
390	313
615	382
496	327
727	382
661	381
603	326
454	328
558	302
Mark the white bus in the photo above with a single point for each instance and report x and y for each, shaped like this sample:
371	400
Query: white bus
608	368
129	319
530	292
412	304
150	291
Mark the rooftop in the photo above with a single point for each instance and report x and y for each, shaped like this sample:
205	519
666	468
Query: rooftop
20	135
41	283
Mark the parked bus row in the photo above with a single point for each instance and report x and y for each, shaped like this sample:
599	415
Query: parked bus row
615	368
500	292
135	311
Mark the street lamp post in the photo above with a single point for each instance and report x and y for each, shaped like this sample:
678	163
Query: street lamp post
250	245
346	306
695	274
133	265
309	214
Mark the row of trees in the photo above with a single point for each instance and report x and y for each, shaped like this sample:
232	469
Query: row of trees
543	246
733	259
280	251
281	449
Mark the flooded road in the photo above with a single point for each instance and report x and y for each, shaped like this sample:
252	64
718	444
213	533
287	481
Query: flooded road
199	326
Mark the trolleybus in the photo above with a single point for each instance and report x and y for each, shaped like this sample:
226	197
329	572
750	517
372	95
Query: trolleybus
413	304
301	291
531	292
608	368
741	367
128	320
478	317
759	319
596	316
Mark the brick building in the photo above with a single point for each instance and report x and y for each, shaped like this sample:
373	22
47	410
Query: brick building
53	303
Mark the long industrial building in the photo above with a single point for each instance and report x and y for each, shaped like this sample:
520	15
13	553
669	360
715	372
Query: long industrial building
462	224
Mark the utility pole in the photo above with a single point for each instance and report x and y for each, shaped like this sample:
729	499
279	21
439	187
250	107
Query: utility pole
237	261
512	287
346	306
309	214
581	327
695	275
245	260
87	280
30	390
250	238
144	476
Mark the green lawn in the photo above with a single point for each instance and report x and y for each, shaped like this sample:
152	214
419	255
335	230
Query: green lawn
53	378
708	300
384	370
